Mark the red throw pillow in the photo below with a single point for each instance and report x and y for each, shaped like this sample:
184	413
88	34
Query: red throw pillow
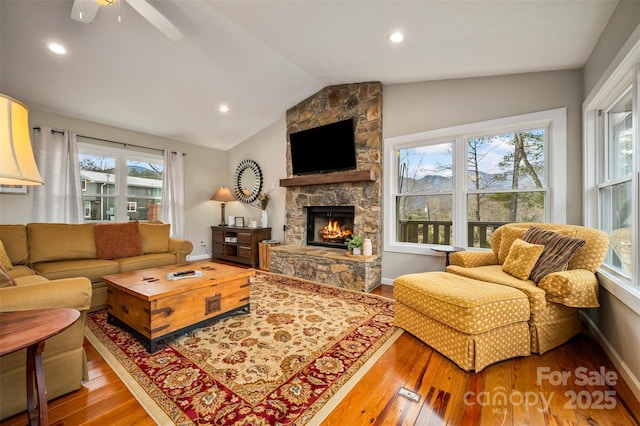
117	240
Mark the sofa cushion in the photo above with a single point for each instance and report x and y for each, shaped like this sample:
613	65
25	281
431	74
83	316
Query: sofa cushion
495	274
558	250
93	269
154	237
153	260
522	258
15	242
60	241
116	240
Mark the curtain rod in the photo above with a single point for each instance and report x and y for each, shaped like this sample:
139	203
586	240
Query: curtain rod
110	141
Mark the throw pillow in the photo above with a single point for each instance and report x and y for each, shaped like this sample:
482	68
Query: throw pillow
154	237
4	258
522	258
509	235
117	240
558	250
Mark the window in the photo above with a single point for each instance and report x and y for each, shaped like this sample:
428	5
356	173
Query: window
615	188
424	203
456	186
612	175
120	185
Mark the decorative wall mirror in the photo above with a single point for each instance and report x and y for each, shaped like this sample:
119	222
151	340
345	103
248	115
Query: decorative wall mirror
247	181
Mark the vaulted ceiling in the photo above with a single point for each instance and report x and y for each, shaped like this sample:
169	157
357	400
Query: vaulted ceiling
262	57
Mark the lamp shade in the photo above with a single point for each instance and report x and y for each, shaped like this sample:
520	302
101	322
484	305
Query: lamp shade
17	165
223	194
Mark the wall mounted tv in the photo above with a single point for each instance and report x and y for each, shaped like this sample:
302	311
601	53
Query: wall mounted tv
324	149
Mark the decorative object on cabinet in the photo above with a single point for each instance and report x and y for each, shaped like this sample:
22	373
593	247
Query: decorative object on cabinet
239	222
247	181
224	196
238	245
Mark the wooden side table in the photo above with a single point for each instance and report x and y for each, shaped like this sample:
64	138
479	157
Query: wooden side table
30	329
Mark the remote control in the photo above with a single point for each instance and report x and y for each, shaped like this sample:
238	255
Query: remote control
189	272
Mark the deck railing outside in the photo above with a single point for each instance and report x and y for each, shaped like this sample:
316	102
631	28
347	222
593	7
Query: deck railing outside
441	232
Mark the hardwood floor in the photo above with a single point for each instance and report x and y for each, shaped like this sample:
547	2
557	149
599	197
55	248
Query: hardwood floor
506	393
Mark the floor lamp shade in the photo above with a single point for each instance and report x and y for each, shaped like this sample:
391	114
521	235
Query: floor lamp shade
224	195
17	164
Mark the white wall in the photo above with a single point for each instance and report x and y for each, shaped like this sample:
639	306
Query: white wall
268	149
418	107
206	170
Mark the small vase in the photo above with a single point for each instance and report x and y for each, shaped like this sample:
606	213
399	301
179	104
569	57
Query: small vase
264	219
356	251
367	248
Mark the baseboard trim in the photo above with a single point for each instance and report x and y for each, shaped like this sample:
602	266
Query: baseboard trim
205	256
628	376
387	281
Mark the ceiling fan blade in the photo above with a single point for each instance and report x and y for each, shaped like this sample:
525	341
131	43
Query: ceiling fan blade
156	19
84	10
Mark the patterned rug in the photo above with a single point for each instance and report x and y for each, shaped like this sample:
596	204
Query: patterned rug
294	356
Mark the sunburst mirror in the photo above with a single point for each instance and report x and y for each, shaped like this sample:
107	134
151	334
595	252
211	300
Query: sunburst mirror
247	181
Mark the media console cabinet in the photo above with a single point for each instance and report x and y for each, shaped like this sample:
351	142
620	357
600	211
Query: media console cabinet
238	245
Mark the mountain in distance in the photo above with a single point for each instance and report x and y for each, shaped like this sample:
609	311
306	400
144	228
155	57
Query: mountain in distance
438	183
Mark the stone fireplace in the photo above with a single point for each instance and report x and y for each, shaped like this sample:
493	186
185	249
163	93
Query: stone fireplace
360	190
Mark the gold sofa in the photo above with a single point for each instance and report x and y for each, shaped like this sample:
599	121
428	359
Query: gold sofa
64	359
56	250
553	302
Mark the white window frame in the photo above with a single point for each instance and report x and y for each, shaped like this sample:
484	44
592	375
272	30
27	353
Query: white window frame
121	156
555	170
624	71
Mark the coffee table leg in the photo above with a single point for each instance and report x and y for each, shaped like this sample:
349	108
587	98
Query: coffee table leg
35	373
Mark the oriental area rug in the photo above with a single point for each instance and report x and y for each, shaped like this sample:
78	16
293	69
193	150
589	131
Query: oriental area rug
289	361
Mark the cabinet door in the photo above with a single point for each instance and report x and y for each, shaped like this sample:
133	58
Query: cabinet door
217	236
244	237
245	252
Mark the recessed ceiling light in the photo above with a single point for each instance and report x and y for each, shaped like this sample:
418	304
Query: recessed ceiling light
223	108
396	37
56	48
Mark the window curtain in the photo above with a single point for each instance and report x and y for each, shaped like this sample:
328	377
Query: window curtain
59	200
173	199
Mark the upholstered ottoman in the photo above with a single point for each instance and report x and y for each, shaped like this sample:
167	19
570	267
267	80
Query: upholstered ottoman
473	323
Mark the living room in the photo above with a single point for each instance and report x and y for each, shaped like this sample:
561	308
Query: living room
407	108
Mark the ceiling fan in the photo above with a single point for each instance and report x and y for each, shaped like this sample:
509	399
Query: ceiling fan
86	10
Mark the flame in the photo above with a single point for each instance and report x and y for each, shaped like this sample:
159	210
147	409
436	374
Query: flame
332	231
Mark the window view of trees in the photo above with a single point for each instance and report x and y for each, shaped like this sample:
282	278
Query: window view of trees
505	183
102	195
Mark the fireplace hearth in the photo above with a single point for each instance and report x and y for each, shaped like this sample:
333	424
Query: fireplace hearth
329	226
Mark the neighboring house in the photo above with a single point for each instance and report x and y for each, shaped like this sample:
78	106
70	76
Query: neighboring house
98	195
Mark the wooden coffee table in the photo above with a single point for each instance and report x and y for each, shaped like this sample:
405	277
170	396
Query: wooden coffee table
155	309
30	329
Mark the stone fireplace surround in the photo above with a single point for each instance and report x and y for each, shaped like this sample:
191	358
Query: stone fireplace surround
361	189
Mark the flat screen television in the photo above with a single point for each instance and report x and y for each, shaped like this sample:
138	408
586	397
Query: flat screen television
324	149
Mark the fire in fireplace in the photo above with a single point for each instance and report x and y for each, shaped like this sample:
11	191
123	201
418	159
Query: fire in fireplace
329	226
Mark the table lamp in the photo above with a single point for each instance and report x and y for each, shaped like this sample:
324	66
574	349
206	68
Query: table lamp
17	164
224	195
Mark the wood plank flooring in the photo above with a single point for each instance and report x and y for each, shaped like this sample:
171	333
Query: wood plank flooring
506	393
